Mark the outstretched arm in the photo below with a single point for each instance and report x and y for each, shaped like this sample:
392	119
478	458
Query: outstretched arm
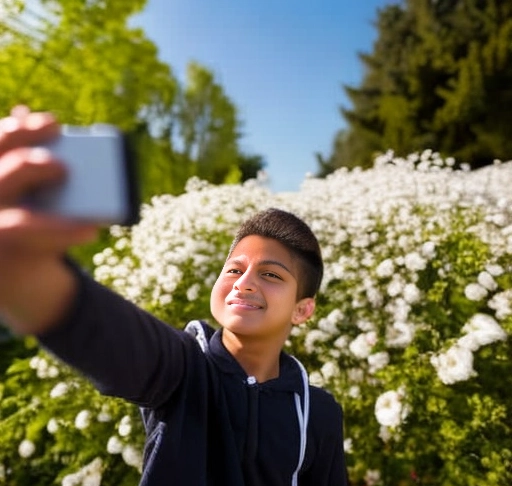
123	350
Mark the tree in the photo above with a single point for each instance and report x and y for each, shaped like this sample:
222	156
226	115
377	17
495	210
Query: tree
438	78
209	126
83	62
250	166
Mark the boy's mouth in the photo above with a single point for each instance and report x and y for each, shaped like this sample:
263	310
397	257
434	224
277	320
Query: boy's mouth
245	303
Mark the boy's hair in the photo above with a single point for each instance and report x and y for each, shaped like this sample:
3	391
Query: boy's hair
296	236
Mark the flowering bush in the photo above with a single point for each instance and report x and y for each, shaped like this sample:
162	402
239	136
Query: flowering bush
411	332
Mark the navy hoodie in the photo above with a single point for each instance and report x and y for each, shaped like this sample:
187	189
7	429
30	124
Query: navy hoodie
207	422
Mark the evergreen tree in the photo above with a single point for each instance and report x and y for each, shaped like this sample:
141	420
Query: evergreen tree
439	77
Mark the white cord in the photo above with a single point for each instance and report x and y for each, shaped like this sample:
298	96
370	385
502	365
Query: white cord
303	418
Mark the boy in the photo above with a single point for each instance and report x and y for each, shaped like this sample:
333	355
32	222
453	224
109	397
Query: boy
233	411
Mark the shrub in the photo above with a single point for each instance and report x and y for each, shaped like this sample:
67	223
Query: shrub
411	332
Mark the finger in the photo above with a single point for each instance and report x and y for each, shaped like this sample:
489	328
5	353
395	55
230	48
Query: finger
23	170
20	111
28	130
25	231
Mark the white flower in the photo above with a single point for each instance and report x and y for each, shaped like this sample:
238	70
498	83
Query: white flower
399	309
454	365
355	375
385	268
481	330
313	337
396	286
415	262
26	448
487	281
92	479
330	370
53	372
362	345
501	303
365	325
70	480
329	324
400	335
193	292
374	296
377	361
411	293
42	368
372	477
34	362
354	391
348	445
495	270
125	426
428	250
341	343
132	457
59	390
385	433
104	416
389	409
469	341
499	219
83	419
316	379
114	445
475	292
52	426
89	475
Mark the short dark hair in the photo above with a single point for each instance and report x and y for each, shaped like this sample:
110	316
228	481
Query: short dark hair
296	236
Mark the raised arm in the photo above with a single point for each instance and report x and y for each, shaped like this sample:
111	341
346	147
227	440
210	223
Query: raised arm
123	350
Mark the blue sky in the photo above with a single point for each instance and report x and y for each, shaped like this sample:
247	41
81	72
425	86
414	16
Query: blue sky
282	62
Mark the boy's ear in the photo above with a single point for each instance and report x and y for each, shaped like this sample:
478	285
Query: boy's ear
304	309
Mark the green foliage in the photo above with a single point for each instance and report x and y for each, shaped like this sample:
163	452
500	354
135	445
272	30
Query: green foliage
439	78
209	126
81	61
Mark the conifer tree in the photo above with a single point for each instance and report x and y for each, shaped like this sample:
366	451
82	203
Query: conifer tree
439	77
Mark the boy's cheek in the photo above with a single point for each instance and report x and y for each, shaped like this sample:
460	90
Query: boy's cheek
216	297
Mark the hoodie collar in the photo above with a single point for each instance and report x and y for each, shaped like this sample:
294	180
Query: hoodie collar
289	379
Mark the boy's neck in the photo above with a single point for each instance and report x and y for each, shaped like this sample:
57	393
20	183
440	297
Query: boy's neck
256	357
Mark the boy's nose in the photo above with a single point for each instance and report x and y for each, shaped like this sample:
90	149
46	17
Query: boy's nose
244	283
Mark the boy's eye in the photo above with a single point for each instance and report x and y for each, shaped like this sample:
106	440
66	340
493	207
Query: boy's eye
271	274
234	270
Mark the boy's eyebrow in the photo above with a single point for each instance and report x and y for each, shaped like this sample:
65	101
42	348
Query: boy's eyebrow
263	262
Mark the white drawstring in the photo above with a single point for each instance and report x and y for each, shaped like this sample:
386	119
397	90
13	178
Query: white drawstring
303	418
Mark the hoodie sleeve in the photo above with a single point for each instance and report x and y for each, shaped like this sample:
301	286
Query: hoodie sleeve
123	350
327	467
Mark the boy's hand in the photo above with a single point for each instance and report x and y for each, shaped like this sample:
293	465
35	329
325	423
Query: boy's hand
23	168
35	286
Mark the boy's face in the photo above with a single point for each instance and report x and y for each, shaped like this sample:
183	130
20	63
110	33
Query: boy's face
255	295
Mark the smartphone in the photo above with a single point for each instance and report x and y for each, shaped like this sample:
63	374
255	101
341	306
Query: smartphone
101	185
